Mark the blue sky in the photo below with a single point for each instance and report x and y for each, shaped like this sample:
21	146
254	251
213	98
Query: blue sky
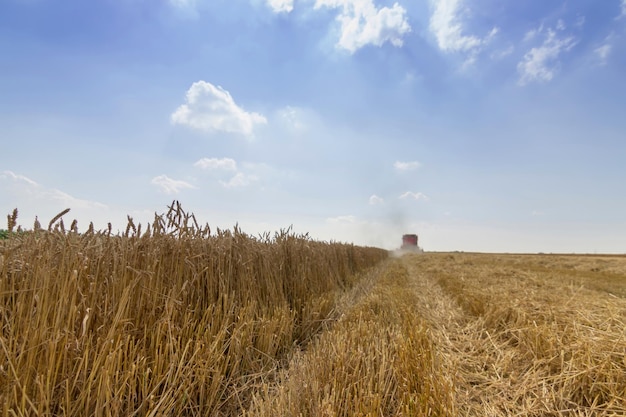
480	125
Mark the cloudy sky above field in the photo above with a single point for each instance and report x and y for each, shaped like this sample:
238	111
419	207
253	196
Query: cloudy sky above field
481	125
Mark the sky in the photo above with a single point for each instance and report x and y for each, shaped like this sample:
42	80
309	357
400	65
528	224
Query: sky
480	125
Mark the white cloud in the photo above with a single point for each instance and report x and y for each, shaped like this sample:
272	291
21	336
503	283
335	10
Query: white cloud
532	34
226	164
406	166
33	199
169	185
374	200
22	186
492	34
13	177
603	53
71	201
240	180
445	24
238	176
541	63
183	4
185	8
280	6
342	219
363	24
293	118
502	53
623	10
414	196
210	108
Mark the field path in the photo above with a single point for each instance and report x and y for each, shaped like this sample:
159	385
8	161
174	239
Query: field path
455	338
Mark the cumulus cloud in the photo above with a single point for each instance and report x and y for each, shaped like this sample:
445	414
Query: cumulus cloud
406	166
363	24
226	164
413	196
280	6
446	25
541	63
231	173
240	180
374	200
169	185
211	109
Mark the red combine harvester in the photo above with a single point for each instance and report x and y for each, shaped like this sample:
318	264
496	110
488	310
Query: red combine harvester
409	242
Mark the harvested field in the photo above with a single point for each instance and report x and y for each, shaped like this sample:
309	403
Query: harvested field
470	335
525	335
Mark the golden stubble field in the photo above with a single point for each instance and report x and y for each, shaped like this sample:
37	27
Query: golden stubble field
178	320
470	335
528	334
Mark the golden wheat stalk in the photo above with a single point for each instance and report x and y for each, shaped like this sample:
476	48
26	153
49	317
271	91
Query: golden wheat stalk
57	217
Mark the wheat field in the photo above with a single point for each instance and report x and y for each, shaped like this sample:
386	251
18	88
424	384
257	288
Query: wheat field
179	320
175	320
